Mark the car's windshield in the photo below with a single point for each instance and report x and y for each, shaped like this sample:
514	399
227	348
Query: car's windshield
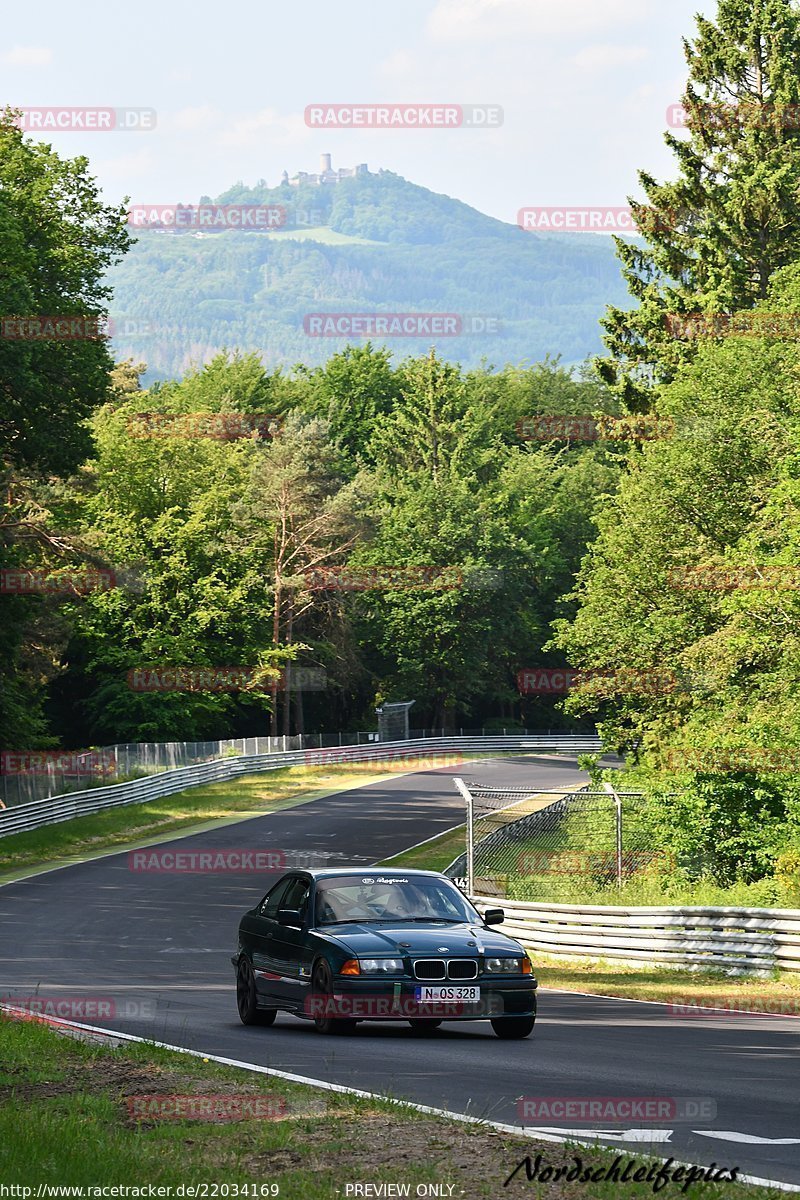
384	898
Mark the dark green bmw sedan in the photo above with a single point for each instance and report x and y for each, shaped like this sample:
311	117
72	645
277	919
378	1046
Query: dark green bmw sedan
341	946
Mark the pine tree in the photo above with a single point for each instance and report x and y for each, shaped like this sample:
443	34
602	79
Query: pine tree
713	238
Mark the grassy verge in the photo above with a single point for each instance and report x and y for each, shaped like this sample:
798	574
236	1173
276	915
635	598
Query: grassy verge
186	812
434	855
77	1114
439	852
779	996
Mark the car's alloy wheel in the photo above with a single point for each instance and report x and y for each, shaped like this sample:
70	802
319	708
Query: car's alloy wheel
246	997
322	998
424	1024
513	1027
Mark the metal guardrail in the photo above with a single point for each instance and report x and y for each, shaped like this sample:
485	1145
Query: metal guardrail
54	809
737	941
56	772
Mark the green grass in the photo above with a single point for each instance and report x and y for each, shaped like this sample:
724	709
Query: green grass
65	1119
434	855
439	852
779	994
321	233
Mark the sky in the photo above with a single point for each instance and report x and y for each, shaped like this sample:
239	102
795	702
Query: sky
584	86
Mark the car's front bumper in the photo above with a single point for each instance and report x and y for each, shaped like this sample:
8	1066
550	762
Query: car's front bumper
364	999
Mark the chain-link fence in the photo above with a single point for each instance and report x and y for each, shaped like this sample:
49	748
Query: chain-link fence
36	774
552	845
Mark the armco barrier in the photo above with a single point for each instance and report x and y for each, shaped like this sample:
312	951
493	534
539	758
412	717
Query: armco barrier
76	804
733	940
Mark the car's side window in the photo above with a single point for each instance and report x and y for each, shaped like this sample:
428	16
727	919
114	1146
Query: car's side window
274	899
296	896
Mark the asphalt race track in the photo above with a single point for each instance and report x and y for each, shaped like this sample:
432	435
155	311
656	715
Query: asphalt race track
158	947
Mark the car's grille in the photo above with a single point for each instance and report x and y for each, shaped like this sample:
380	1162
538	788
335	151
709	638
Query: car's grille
462	968
429	968
440	968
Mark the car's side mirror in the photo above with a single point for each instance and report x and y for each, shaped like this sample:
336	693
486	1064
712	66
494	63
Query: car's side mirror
494	916
290	917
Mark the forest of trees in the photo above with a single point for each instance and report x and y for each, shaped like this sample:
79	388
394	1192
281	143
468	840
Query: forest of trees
621	555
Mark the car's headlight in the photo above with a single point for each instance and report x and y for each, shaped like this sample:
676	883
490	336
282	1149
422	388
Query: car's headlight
503	966
382	966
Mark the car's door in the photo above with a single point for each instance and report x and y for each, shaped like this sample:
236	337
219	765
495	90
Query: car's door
260	929
292	951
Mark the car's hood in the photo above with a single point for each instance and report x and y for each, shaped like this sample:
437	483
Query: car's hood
399	938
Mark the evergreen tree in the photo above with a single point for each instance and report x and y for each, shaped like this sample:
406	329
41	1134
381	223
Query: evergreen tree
714	236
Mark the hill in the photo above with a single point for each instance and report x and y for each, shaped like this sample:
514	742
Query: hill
371	243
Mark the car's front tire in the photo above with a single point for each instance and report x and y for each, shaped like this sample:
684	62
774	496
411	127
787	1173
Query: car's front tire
247	998
322	999
513	1027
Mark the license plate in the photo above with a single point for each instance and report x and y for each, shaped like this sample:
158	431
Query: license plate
439	995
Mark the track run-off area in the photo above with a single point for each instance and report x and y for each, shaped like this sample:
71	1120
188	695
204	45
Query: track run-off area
153	949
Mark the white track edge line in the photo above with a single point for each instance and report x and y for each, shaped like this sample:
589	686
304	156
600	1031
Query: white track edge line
464	1118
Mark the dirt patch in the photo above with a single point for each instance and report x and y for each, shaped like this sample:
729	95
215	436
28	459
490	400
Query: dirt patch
361	1150
126	1080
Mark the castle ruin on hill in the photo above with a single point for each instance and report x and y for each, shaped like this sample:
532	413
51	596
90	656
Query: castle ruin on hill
326	174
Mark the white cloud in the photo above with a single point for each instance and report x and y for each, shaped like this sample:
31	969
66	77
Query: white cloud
602	58
189	120
399	65
122	170
253	130
27	56
485	20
